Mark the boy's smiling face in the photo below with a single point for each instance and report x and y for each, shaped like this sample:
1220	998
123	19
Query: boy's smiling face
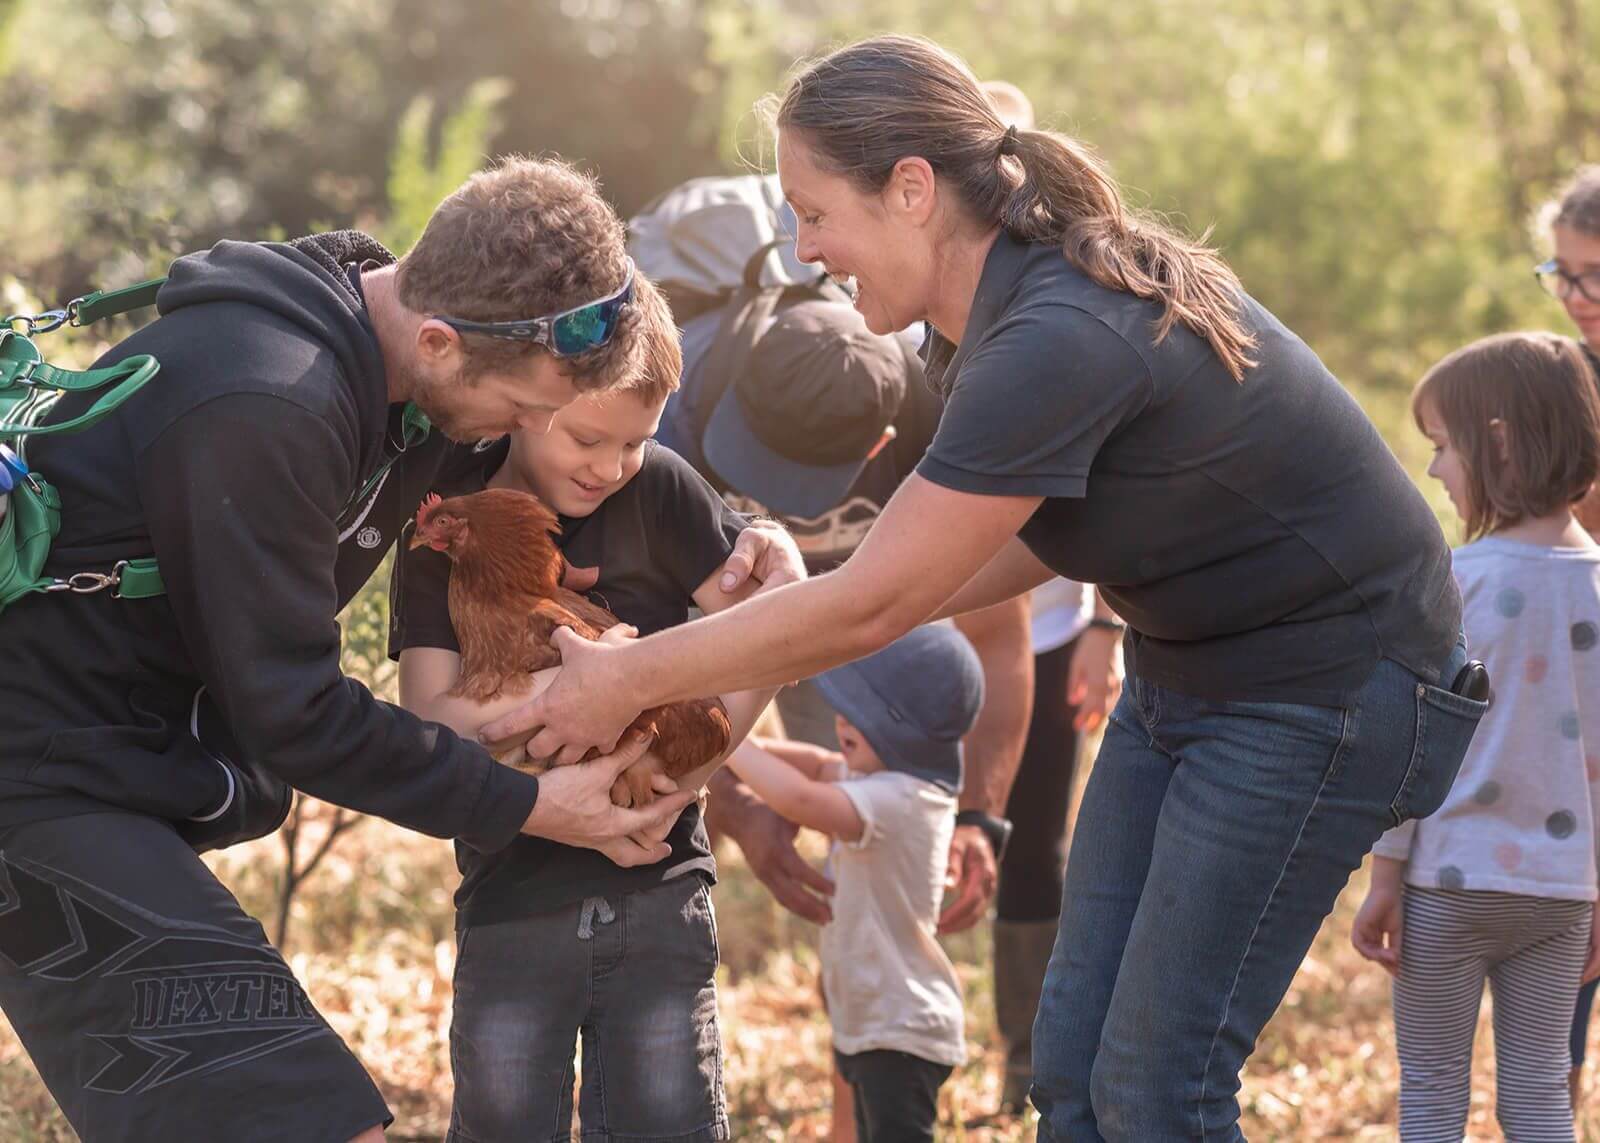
595	445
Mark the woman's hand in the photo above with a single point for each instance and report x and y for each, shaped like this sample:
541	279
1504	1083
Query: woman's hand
588	705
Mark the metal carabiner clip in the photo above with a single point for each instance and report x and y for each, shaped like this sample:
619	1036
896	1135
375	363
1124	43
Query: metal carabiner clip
39	323
49	320
88	582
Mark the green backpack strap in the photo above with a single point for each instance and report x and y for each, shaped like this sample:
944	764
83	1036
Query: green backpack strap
108	303
29	386
22	368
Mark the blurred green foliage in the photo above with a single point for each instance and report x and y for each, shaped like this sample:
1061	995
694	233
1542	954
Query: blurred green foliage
1371	167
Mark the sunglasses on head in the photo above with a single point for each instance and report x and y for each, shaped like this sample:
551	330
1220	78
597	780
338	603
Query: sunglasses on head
565	334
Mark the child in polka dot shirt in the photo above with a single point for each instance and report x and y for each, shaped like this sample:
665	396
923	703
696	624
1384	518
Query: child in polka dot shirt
1500	882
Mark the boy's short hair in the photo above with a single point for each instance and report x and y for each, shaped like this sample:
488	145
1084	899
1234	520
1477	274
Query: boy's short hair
661	366
524	238
913	701
1542	390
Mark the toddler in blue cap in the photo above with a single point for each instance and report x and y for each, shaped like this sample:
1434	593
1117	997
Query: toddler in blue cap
888	798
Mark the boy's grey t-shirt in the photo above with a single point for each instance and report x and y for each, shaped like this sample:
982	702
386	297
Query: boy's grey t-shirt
1260	539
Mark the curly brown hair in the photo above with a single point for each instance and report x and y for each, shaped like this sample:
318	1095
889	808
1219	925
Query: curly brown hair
522	238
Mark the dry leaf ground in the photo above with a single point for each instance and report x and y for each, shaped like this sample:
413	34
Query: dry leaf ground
371	938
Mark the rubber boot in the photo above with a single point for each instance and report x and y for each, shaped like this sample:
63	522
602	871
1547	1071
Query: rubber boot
1021	954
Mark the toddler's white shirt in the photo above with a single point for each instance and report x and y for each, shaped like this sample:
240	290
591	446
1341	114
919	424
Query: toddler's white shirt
889	984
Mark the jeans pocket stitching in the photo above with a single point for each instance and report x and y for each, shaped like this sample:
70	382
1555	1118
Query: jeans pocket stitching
1342	750
1451	703
1397	805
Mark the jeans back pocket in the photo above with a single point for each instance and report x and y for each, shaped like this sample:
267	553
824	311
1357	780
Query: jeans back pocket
1446	723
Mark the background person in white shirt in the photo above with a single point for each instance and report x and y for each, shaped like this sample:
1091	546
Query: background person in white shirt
1500	882
888	797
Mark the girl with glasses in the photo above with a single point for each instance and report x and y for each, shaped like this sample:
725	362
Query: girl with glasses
1572	276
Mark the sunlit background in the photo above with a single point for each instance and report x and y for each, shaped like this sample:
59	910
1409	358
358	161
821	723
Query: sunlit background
1372	168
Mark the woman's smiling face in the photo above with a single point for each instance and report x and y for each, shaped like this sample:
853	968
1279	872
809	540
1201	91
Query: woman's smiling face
859	237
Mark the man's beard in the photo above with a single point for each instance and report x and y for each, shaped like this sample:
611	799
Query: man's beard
432	397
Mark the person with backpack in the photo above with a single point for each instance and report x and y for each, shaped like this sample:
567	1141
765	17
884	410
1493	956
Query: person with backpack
793	409
306	399
1121	412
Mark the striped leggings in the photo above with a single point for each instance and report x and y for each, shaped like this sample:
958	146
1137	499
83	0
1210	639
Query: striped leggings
1531	949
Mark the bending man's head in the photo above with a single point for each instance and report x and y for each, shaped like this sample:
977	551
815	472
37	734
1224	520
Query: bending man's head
526	239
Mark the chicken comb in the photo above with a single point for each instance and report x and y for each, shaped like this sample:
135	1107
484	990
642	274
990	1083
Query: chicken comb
429	502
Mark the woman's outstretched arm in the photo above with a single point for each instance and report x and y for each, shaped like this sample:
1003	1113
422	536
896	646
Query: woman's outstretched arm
928	543
1014	571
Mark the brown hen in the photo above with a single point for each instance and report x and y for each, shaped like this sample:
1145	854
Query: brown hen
506	600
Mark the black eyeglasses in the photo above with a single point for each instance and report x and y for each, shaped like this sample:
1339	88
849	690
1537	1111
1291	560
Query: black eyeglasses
1558	283
569	332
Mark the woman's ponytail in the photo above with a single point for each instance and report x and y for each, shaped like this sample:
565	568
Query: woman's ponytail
1067	197
867	106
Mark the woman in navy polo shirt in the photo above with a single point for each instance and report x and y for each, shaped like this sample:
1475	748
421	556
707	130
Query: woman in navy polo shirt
1120	412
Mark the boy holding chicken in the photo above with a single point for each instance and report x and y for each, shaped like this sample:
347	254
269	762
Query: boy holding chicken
557	942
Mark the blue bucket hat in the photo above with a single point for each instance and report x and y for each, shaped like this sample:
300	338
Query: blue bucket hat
913	701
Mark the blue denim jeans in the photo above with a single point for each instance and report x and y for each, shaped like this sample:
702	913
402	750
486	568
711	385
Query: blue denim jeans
634	975
1212	842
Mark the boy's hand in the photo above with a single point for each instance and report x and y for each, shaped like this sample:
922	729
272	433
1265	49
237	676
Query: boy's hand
765	552
1375	933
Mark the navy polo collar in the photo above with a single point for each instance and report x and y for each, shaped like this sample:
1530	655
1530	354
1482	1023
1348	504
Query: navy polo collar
1002	268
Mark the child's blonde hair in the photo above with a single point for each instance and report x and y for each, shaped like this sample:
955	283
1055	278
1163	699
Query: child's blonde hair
662	362
1523	412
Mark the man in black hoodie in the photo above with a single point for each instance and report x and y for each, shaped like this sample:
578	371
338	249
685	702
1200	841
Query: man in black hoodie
268	468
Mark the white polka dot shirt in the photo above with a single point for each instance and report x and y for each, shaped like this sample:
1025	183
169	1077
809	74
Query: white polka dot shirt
1522	815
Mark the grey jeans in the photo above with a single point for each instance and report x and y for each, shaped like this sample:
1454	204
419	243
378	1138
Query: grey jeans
633	974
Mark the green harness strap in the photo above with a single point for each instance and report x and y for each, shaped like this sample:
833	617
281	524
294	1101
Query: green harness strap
29	388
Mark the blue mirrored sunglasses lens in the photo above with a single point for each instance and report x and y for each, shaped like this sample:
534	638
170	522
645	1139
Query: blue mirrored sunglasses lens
586	328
